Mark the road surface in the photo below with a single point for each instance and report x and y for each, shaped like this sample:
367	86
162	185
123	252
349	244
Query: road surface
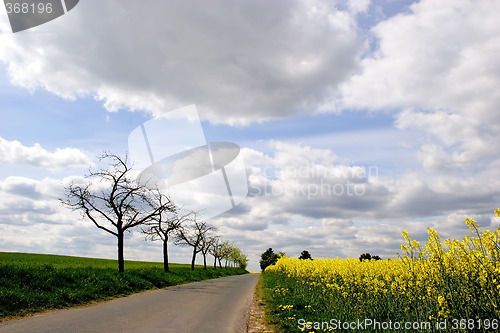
219	305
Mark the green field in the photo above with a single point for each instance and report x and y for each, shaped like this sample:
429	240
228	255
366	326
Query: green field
37	282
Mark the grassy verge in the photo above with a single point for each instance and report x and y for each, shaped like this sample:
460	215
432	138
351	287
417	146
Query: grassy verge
258	322
36	282
275	294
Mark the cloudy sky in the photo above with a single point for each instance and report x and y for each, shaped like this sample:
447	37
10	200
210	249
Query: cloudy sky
356	119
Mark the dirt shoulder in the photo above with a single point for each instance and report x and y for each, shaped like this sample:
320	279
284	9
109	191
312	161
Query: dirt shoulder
256	322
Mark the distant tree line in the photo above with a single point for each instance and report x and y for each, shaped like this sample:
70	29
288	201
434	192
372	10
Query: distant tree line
116	203
269	258
367	256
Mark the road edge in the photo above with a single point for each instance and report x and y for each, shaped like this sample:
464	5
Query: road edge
257	315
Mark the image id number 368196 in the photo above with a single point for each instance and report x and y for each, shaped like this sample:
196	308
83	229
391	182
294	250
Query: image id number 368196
25	8
472	324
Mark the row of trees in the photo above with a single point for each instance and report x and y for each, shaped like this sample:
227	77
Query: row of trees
116	203
187	230
367	256
269	258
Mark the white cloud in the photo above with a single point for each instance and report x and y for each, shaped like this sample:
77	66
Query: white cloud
14	152
463	139
443	54
237	61
283	184
439	63
287	209
358	6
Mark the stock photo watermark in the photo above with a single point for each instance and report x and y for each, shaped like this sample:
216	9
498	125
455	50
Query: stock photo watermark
312	180
26	14
172	154
373	324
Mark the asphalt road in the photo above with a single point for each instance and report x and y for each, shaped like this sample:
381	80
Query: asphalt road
219	305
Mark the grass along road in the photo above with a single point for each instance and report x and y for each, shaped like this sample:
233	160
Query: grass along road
217	305
37	282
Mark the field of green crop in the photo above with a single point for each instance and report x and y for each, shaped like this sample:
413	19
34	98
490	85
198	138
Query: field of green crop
37	282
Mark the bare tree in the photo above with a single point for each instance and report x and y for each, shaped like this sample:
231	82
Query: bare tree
115	203
215	248
193	235
164	225
205	246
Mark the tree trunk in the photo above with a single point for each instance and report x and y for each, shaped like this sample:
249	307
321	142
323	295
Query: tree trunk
165	256
121	261
220	263
204	261
193	259
215	262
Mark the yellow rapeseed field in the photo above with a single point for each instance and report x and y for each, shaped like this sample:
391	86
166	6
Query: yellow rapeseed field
453	280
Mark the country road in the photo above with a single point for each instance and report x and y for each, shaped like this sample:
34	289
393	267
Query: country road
218	305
